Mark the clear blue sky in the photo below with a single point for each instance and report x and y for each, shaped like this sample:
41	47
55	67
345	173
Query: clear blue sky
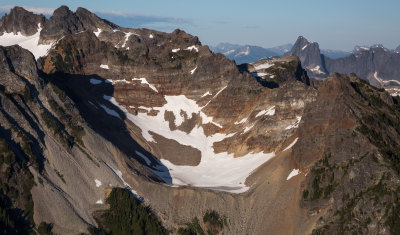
339	24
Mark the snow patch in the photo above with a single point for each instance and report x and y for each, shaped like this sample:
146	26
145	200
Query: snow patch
117	81
295	124
317	69
127	35
293	174
97	33
95	81
241	121
191	48
263	66
175	50
206	94
144	81
31	43
151	36
268	112
99	202
98	183
192	71
291	145
247	128
304	47
104	66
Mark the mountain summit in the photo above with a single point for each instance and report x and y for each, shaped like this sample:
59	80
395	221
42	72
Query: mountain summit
106	129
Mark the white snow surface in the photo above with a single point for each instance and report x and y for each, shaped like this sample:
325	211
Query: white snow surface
241	121
117	81
293	174
263	66
98	183
295	124
317	69
304	47
192	71
99	202
110	111
151	36
291	145
206	94
268	112
144	81
191	48
215	171
127	35
95	81
97	33
175	50
31	43
104	66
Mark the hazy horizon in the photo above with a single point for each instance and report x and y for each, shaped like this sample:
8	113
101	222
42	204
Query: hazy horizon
335	25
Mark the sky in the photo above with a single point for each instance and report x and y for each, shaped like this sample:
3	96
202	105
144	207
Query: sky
339	24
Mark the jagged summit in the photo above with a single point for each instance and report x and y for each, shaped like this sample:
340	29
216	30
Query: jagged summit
22	21
184	131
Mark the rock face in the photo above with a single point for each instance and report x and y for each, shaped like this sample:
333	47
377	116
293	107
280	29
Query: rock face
376	64
310	56
189	131
21	20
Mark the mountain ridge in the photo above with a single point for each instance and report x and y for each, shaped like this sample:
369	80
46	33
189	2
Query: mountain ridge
186	131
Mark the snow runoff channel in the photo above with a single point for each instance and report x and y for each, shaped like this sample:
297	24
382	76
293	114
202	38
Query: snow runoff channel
31	43
217	171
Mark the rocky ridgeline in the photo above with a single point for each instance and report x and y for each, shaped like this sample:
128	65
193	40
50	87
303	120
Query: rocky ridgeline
116	107
376	64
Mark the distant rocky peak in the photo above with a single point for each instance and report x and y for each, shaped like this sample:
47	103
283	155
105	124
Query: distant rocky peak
21	21
397	49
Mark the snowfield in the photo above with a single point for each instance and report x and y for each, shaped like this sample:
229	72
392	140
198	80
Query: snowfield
104	66
220	171
144	81
27	42
263	66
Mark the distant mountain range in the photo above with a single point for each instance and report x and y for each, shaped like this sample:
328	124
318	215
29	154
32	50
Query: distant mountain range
249	54
377	64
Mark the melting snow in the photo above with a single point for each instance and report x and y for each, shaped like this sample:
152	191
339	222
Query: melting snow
31	43
269	112
95	81
293	174
144	81
291	145
176	50
110	111
263	66
98	183
104	66
215	171
192	71
295	124
97	33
